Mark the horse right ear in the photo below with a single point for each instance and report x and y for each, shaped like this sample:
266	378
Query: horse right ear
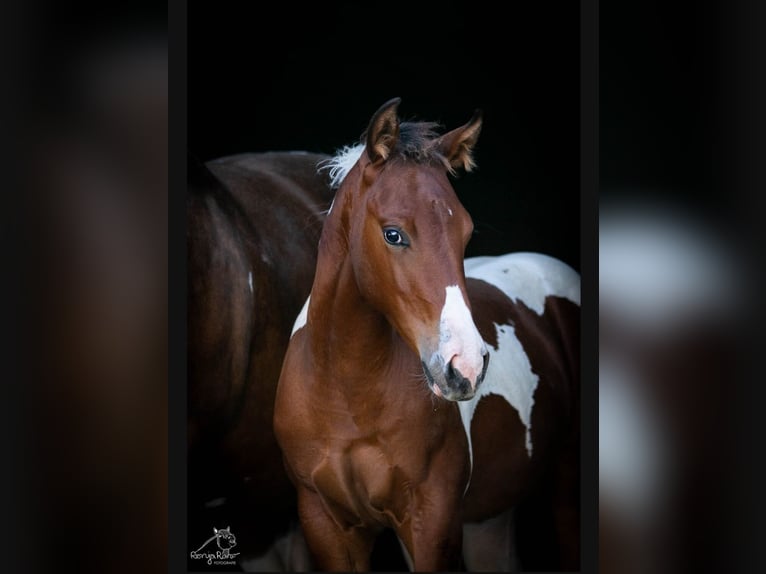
383	131
457	145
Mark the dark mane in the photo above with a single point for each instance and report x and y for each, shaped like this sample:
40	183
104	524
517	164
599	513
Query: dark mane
416	143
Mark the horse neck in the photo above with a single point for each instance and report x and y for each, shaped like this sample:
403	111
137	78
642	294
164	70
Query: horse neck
349	337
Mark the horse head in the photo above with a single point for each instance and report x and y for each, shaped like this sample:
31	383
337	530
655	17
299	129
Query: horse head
407	233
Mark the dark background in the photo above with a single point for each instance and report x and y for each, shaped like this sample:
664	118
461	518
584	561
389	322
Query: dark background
310	77
682	123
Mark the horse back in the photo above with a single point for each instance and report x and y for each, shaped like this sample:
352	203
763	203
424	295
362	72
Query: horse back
285	199
253	226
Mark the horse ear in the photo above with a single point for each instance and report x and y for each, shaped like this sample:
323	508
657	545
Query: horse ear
457	146
383	131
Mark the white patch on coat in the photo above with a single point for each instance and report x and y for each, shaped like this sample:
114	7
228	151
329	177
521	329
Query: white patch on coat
510	376
250	280
459	337
300	321
528	278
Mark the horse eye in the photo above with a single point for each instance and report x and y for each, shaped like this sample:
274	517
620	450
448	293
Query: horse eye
394	236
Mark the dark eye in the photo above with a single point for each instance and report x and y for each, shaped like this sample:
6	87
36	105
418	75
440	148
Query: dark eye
394	237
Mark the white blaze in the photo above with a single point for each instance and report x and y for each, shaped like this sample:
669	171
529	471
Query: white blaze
250	280
458	336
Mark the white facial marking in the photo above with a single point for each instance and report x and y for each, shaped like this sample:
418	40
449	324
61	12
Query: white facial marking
458	336
449	211
528	278
250	280
300	321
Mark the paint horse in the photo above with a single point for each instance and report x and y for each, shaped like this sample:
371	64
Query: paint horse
253	224
418	393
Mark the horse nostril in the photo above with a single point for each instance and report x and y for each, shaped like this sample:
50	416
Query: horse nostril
451	374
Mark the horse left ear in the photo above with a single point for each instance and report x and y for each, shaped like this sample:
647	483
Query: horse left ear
383	131
457	146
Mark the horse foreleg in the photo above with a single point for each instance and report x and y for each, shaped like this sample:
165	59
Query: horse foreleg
490	546
334	549
433	538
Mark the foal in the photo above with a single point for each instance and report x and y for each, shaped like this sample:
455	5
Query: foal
389	317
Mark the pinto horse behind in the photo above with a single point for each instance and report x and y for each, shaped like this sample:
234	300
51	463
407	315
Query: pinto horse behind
420	392
253	224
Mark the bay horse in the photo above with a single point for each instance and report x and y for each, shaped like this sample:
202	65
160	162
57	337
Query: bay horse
253	224
420	392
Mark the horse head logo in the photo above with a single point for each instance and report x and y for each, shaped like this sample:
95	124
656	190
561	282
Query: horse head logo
225	538
225	541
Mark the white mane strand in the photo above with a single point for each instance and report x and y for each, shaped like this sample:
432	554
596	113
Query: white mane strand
341	163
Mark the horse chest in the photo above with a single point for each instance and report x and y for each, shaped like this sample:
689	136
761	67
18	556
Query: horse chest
360	484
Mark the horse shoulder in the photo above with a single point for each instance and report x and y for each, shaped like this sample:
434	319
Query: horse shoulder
290	405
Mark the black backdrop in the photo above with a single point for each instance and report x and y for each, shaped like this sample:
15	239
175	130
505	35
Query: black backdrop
310	77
